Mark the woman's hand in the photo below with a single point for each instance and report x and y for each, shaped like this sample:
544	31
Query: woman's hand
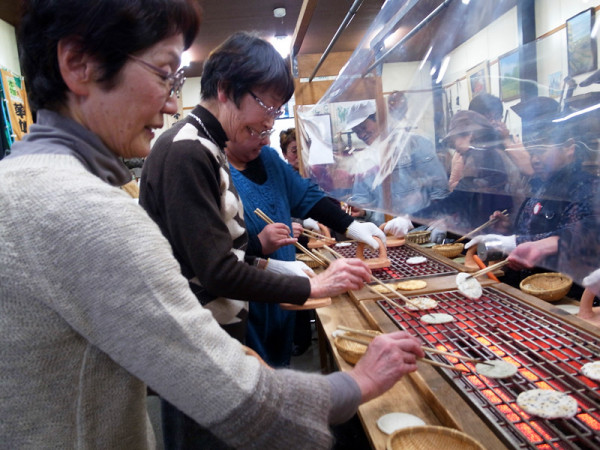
274	236
342	275
398	226
502	224
388	358
297	229
529	254
364	232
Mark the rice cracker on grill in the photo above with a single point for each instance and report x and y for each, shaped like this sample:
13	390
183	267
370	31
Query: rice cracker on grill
547	404
591	370
417	303
496	369
411	285
437	318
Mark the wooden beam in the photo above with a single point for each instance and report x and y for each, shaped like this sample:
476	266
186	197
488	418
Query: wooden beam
304	18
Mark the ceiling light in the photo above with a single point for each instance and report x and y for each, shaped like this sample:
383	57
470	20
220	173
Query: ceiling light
279	12
282	44
186	59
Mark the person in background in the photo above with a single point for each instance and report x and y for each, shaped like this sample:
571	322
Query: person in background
417	179
560	202
186	188
484	185
492	108
289	147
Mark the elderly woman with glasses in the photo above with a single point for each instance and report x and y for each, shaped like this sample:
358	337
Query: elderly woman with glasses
186	188
93	306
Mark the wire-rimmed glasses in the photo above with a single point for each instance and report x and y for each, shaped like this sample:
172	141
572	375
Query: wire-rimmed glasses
269	110
175	80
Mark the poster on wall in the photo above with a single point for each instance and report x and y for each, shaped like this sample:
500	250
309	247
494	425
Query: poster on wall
581	47
478	79
19	112
509	76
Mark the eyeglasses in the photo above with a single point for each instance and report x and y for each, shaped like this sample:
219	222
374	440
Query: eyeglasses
175	80
262	135
270	110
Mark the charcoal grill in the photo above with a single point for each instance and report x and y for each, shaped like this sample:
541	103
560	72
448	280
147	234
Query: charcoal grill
547	352
399	269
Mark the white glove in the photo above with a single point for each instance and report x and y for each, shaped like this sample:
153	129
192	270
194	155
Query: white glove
311	224
592	281
364	232
296	268
507	243
438	233
398	226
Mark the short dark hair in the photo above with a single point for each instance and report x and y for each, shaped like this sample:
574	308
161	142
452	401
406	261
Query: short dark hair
243	62
286	137
109	30
488	105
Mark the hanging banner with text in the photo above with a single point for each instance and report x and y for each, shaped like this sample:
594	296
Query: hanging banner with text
16	103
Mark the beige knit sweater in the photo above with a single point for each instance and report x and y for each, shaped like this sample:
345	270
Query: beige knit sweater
93	306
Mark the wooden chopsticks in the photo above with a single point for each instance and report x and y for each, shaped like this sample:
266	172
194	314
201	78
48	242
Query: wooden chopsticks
299	246
313	234
381	283
488	269
481	227
366	342
425	349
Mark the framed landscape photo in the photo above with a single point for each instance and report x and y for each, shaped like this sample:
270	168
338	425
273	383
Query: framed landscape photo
508	65
581	47
478	79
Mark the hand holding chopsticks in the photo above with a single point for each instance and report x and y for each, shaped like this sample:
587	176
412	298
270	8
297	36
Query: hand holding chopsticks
426	349
481	227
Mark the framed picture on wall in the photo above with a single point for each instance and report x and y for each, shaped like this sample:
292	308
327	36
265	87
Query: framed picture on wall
554	88
581	47
478	79
508	66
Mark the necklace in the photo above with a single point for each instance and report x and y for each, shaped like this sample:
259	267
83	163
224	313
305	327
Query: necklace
204	128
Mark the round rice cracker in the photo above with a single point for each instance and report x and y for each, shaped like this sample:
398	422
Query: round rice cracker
388	423
417	303
414	260
548	404
411	285
469	287
496	369
384	289
437	318
591	370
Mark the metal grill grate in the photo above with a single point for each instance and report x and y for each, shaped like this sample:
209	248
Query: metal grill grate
399	269
547	352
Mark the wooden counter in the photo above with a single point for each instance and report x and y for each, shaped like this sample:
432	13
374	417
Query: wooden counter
424	393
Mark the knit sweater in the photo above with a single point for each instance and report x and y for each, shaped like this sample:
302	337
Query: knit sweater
186	188
93	306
